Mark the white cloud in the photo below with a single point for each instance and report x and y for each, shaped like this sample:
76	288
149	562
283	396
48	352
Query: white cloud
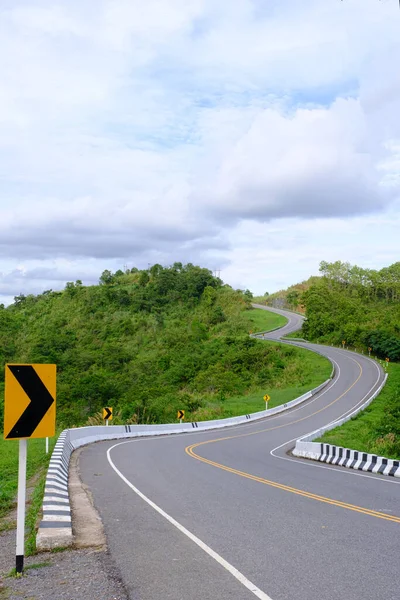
134	131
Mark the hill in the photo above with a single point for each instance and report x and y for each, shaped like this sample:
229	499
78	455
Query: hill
360	306
290	299
149	343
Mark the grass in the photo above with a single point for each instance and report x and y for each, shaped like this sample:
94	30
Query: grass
13	572
315	369
37	458
32	514
60	549
360	433
7	525
295	334
264	320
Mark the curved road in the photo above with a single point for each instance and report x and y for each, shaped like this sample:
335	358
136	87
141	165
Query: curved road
230	515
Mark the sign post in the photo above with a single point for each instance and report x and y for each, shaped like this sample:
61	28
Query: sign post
266	398
21	502
29	412
107	414
369	351
343	343
181	415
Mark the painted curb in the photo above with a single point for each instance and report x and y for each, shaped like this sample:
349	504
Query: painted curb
345	457
353	459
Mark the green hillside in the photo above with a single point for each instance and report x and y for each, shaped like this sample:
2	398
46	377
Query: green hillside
360	306
290	299
149	343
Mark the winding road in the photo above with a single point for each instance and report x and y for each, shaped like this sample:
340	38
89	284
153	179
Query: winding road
232	515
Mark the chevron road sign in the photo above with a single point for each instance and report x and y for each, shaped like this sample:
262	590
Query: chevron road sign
107	413
30	401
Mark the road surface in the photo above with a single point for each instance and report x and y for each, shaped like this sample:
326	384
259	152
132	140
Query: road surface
231	515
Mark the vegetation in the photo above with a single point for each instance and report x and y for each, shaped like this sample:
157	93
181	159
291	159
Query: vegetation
358	305
290	299
147	343
297	335
377	428
263	320
37	461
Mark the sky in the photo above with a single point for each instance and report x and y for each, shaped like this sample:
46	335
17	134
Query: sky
252	137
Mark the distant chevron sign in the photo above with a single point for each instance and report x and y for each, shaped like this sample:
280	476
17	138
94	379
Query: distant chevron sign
107	413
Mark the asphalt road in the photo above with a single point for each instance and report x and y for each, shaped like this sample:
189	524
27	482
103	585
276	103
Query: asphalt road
231	515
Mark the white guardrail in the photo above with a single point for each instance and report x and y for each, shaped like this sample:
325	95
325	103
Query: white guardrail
55	529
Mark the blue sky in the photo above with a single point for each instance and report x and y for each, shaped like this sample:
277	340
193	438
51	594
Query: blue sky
254	137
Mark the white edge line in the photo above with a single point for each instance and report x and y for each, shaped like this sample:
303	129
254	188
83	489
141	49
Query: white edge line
230	568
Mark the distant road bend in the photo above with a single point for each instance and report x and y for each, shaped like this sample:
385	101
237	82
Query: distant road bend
231	515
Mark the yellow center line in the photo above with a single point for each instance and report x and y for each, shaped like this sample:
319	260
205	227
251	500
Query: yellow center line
372	513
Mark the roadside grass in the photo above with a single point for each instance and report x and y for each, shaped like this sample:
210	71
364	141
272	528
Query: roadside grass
264	320
33	566
32	513
364	432
37	458
7	525
295	334
315	369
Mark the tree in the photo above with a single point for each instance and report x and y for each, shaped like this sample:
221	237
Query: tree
106	277
144	278
293	298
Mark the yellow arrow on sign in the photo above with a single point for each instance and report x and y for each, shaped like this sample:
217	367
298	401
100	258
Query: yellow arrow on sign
181	414
30	401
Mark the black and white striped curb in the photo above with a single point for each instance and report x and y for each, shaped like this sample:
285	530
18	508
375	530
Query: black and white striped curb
56	506
353	459
345	457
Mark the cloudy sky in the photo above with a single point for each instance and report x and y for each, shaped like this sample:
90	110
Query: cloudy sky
257	137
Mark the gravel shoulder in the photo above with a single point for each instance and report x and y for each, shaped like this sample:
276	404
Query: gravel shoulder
68	575
86	571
